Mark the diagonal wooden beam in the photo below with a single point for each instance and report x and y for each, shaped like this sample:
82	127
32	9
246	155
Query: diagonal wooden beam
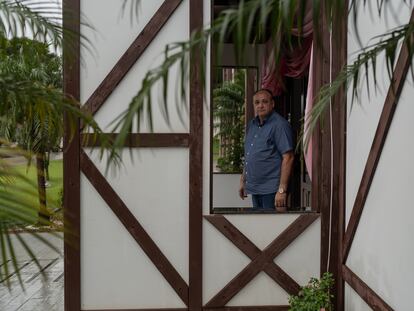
129	58
134	227
252	251
364	291
261	261
390	104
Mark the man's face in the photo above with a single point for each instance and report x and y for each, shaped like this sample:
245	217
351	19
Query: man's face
263	104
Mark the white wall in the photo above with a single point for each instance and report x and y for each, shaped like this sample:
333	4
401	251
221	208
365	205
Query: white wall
226	191
223	261
113	35
116	273
382	252
153	182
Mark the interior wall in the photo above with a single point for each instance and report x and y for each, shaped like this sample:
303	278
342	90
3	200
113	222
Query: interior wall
252	57
382	252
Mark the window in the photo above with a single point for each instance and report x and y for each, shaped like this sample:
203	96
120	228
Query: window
232	87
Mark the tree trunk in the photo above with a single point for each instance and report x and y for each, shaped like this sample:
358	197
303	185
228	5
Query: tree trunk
44	215
47	162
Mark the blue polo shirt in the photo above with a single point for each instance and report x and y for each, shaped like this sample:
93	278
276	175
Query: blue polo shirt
264	147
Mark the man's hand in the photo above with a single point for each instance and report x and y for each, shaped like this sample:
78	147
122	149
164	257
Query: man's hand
242	193
280	201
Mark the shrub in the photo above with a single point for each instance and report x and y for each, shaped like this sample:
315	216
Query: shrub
314	296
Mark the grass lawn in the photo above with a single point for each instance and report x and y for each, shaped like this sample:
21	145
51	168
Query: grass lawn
28	191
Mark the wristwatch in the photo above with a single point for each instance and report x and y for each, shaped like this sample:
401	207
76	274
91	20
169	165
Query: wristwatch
281	190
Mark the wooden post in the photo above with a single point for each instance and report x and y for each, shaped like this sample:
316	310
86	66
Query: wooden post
71	162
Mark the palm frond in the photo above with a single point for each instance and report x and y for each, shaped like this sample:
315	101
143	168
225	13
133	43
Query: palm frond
131	6
42	20
176	53
363	71
249	22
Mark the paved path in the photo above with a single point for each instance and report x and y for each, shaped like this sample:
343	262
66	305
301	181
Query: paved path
40	292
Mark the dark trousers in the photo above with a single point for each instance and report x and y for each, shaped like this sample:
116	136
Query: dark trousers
263	201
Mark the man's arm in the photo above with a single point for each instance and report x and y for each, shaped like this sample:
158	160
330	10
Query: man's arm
242	193
285	172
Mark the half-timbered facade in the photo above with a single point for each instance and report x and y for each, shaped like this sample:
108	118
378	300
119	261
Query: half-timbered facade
145	236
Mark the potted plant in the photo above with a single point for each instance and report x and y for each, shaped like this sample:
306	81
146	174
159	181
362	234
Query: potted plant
315	296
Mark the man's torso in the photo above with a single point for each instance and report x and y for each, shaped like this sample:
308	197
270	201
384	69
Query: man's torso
264	147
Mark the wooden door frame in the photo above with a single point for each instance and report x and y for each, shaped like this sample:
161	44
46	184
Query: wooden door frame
329	161
332	222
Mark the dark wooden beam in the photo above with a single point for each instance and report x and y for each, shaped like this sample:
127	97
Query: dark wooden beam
339	104
390	104
144	140
143	239
252	251
129	58
261	261
196	165
320	190
152	309
321	171
71	164
364	291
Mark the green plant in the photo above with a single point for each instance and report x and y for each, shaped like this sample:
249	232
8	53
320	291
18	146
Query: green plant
228	101
314	296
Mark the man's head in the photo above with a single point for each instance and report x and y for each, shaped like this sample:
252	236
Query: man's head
263	103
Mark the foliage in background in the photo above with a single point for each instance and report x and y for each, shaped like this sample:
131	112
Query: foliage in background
228	110
36	131
314	296
27	192
40	104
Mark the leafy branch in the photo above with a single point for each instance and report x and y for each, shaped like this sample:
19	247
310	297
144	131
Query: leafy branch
364	68
251	22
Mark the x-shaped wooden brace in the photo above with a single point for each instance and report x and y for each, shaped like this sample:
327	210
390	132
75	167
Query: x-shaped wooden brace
261	260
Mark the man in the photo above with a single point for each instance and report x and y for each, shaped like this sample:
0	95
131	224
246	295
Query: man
268	153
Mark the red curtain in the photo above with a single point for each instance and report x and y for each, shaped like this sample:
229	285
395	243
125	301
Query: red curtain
294	63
